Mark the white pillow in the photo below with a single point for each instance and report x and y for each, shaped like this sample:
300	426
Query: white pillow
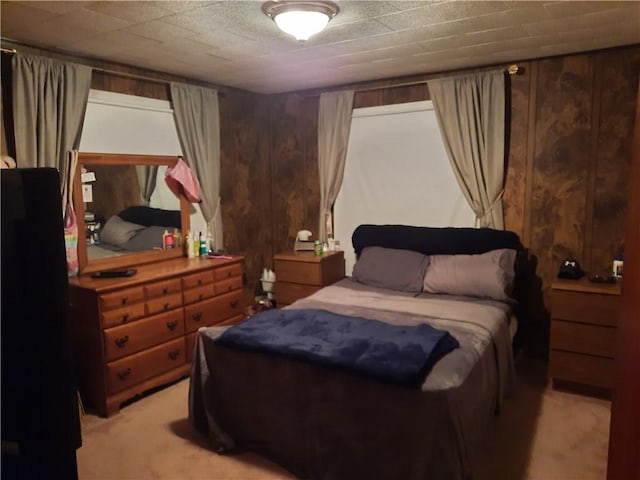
487	275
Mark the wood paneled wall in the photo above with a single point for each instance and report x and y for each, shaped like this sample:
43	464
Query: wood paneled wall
570	128
569	148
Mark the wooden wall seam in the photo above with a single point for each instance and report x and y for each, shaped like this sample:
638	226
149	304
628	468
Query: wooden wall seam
587	247
530	152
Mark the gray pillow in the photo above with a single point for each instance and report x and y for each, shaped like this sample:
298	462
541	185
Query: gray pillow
391	268
487	275
116	231
146	239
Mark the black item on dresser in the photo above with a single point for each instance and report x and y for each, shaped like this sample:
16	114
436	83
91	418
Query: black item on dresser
40	420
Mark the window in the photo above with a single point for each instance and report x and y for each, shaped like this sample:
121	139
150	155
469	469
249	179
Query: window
119	123
397	172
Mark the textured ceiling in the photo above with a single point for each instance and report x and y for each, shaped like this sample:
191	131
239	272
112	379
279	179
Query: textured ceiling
233	43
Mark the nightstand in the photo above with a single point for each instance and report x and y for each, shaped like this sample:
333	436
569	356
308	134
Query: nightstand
299	274
584	319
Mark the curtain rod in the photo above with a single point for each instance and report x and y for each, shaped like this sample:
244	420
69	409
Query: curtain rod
120	74
511	70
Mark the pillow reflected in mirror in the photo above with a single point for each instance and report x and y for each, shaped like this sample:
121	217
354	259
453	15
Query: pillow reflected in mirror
117	231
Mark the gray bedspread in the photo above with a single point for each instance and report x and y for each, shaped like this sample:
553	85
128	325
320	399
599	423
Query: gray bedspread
324	424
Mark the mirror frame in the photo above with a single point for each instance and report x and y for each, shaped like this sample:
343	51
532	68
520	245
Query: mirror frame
127	259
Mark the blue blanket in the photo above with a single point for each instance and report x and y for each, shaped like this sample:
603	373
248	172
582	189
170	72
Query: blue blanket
402	355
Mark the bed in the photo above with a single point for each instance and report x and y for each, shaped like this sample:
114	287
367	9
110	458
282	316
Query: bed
322	421
134	229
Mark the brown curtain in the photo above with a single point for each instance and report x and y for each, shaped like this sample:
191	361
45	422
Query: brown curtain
334	125
471	114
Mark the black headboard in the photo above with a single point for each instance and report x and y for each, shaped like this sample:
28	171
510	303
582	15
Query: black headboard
434	240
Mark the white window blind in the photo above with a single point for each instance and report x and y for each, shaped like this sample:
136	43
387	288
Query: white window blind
397	172
119	123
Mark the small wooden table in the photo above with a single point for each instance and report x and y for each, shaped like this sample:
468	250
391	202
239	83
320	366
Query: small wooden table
299	274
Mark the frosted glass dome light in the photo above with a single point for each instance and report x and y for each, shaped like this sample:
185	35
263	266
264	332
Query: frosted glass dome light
301	19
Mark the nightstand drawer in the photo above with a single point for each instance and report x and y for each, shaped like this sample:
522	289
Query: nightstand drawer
593	308
585	369
288	293
583	338
298	272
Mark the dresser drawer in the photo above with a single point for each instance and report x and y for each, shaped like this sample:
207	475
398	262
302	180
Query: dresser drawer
197	279
212	311
585	369
139	367
226	286
127	339
224	273
121	298
593	308
583	338
119	316
159	289
199	293
164	304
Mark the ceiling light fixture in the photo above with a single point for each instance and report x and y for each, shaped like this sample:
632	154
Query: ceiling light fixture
300	19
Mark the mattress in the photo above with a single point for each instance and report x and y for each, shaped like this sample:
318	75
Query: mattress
322	423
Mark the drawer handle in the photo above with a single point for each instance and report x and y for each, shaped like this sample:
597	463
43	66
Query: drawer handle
122	341
172	325
125	318
125	300
234	303
123	374
174	354
199	281
165	290
196	317
200	297
229	288
166	306
228	273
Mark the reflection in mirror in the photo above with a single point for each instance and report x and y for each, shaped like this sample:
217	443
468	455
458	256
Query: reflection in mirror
126	211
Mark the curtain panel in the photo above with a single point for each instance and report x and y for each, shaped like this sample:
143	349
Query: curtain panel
197	117
49	103
334	125
471	116
147	176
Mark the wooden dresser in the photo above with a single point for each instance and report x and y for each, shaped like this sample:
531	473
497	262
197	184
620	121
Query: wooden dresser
584	319
135	333
299	274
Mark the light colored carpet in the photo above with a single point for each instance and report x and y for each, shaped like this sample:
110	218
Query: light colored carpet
541	434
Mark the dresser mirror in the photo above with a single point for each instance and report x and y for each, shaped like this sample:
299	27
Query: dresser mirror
124	208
